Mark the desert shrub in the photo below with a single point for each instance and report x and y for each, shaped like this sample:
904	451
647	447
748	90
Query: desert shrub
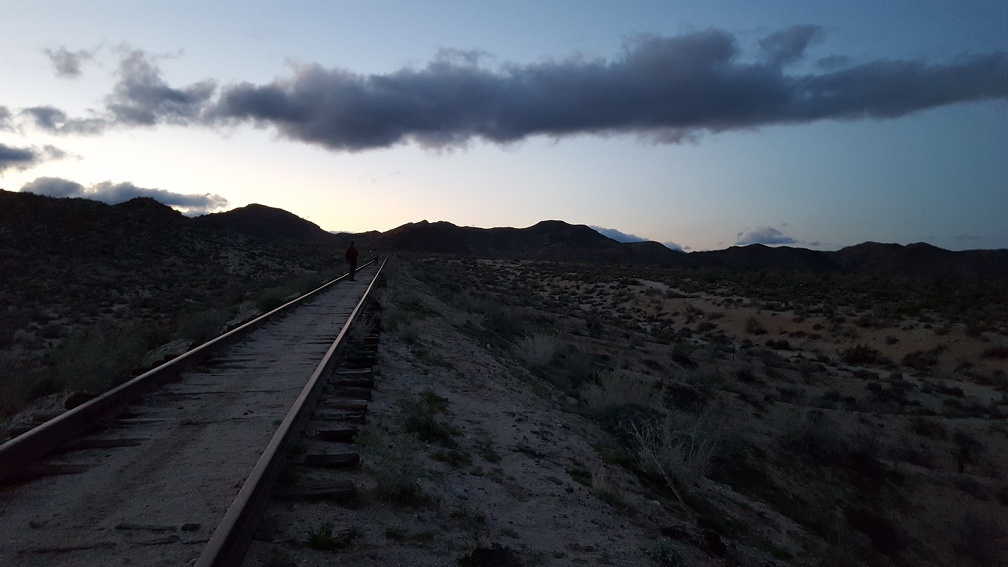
995	352
966	449
706	326
203	325
882	531
861	354
505	321
666	554
615	387
928	428
981	539
494	556
780	344
270	300
922	360
324	539
537	350
409	331
754	327
842	549
97	360
815	436
686	396
419	417
391	459
577	367
678	447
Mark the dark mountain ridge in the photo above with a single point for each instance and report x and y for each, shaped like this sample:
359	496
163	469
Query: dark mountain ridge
557	240
32	224
267	223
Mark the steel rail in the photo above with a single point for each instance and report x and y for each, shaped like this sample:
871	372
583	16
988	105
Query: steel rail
29	447
230	540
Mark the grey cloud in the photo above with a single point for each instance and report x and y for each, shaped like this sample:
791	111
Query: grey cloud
5	119
764	235
662	89
617	235
666	89
620	236
789	45
68	63
23	158
54	187
56	121
142	96
114	193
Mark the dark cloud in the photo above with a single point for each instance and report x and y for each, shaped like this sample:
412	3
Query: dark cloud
25	158
789	45
68	63
663	89
764	235
666	89
56	121
114	193
142	97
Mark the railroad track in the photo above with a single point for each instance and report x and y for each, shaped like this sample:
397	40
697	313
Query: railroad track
175	466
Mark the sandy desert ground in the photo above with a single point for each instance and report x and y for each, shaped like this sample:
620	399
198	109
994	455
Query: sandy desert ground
545	414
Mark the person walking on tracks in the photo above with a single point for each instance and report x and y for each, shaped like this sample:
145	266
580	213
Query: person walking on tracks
351	258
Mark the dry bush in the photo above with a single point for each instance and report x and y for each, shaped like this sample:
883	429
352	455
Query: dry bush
617	388
679	447
537	350
982	537
392	459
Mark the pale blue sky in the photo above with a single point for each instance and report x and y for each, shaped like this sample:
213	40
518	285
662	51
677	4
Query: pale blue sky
257	101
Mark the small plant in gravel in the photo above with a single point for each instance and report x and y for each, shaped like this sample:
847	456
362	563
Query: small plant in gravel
324	539
665	554
392	460
419	417
494	556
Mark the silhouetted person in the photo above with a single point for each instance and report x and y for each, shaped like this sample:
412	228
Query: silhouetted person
351	258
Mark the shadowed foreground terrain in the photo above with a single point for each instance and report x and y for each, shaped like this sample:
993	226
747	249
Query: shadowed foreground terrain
779	405
785	418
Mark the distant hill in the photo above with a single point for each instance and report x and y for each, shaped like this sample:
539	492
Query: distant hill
557	240
267	223
547	240
142	253
32	225
871	258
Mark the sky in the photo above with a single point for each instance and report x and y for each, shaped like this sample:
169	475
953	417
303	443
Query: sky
698	124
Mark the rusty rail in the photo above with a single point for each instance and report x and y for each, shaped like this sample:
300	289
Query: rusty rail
29	447
233	534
